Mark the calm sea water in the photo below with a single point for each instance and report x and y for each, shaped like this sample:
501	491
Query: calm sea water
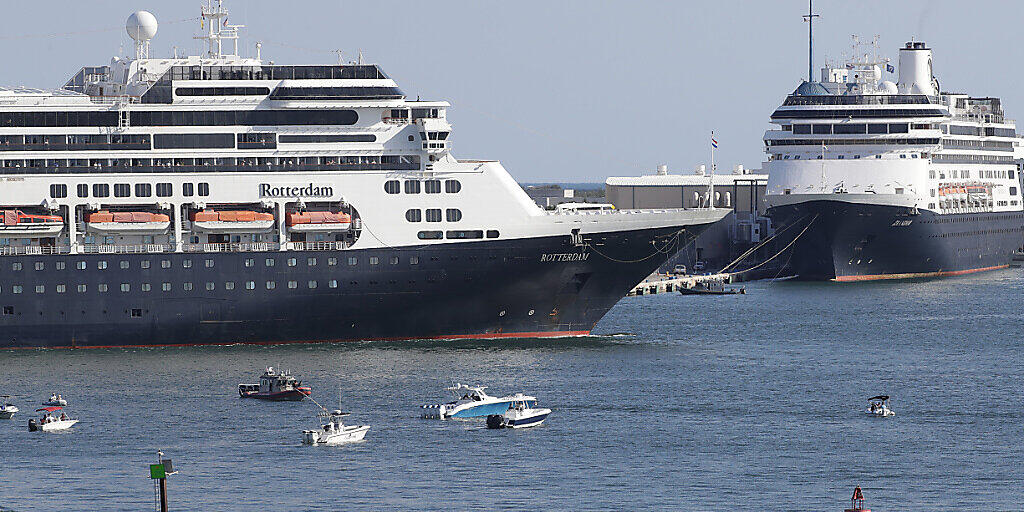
749	402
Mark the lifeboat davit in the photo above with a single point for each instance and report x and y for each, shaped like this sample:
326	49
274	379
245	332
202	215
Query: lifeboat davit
232	221
318	222
17	223
134	223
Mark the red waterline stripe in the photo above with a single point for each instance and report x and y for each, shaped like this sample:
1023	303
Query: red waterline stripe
485	336
878	277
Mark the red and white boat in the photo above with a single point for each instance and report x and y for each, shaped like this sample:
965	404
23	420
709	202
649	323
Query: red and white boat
231	221
17	223
135	223
318	222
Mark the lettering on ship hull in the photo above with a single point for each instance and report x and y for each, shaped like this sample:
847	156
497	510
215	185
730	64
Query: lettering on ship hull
310	190
564	257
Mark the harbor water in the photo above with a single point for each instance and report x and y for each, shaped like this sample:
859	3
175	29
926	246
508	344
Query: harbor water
748	402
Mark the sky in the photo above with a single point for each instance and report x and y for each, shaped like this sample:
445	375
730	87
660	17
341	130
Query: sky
559	91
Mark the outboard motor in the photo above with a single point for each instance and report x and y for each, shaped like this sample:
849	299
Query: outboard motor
32	427
495	421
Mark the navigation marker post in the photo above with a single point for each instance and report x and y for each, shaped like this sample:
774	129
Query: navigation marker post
159	473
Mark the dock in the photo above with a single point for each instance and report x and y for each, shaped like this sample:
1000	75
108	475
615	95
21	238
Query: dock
667	283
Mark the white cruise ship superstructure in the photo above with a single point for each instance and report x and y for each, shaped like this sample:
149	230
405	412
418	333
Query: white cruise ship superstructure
221	199
878	179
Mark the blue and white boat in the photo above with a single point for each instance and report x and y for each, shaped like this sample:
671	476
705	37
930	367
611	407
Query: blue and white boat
473	402
520	414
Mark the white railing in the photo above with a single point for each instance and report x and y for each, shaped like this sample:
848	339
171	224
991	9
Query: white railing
33	250
124	249
316	246
232	247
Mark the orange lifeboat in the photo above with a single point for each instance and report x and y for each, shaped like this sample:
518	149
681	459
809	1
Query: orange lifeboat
318	222
18	224
127	223
231	221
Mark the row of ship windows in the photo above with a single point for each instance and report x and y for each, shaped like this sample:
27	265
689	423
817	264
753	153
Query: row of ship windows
1013	192
60	190
110	118
428	186
858	113
220	164
467	234
209	263
944	159
957	129
966	174
853	128
433	215
186	286
963	234
849	142
250	140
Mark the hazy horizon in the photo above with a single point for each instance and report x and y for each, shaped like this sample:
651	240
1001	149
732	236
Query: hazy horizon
559	92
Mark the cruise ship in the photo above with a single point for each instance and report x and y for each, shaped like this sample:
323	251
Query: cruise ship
875	179
220	199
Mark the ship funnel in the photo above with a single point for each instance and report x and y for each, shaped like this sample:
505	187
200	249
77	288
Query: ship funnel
916	69
662	170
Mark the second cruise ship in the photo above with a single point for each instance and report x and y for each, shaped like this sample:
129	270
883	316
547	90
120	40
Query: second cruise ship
875	179
223	199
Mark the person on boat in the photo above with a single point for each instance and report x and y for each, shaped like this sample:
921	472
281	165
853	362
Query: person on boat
63	416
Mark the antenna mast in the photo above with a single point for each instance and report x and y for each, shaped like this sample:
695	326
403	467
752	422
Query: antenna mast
219	30
809	18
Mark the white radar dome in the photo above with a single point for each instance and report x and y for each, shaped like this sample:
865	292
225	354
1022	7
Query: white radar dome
887	87
141	26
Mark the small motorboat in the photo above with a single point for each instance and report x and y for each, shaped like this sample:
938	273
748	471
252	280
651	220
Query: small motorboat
275	385
56	400
711	288
519	415
472	402
879	406
7	409
51	421
333	430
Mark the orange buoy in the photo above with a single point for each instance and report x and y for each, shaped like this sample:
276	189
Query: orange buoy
857	502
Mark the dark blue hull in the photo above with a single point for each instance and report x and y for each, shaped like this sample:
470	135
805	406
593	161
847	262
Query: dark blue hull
858	242
504	288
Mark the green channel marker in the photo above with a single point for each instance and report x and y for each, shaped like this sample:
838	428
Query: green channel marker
156	471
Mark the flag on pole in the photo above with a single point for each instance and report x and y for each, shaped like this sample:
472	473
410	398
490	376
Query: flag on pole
714	143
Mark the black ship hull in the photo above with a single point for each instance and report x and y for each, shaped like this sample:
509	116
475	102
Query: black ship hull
540	287
859	242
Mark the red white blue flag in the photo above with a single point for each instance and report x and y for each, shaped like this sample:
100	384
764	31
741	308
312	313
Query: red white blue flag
714	143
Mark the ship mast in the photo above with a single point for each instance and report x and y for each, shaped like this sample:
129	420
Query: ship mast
809	18
219	30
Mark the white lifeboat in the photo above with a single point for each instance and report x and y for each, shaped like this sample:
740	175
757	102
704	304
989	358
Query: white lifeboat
18	224
232	221
318	222
135	223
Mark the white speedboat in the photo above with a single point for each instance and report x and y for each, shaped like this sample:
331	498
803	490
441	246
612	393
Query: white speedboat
334	431
51	421
520	414
879	406
7	409
472	402
56	401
